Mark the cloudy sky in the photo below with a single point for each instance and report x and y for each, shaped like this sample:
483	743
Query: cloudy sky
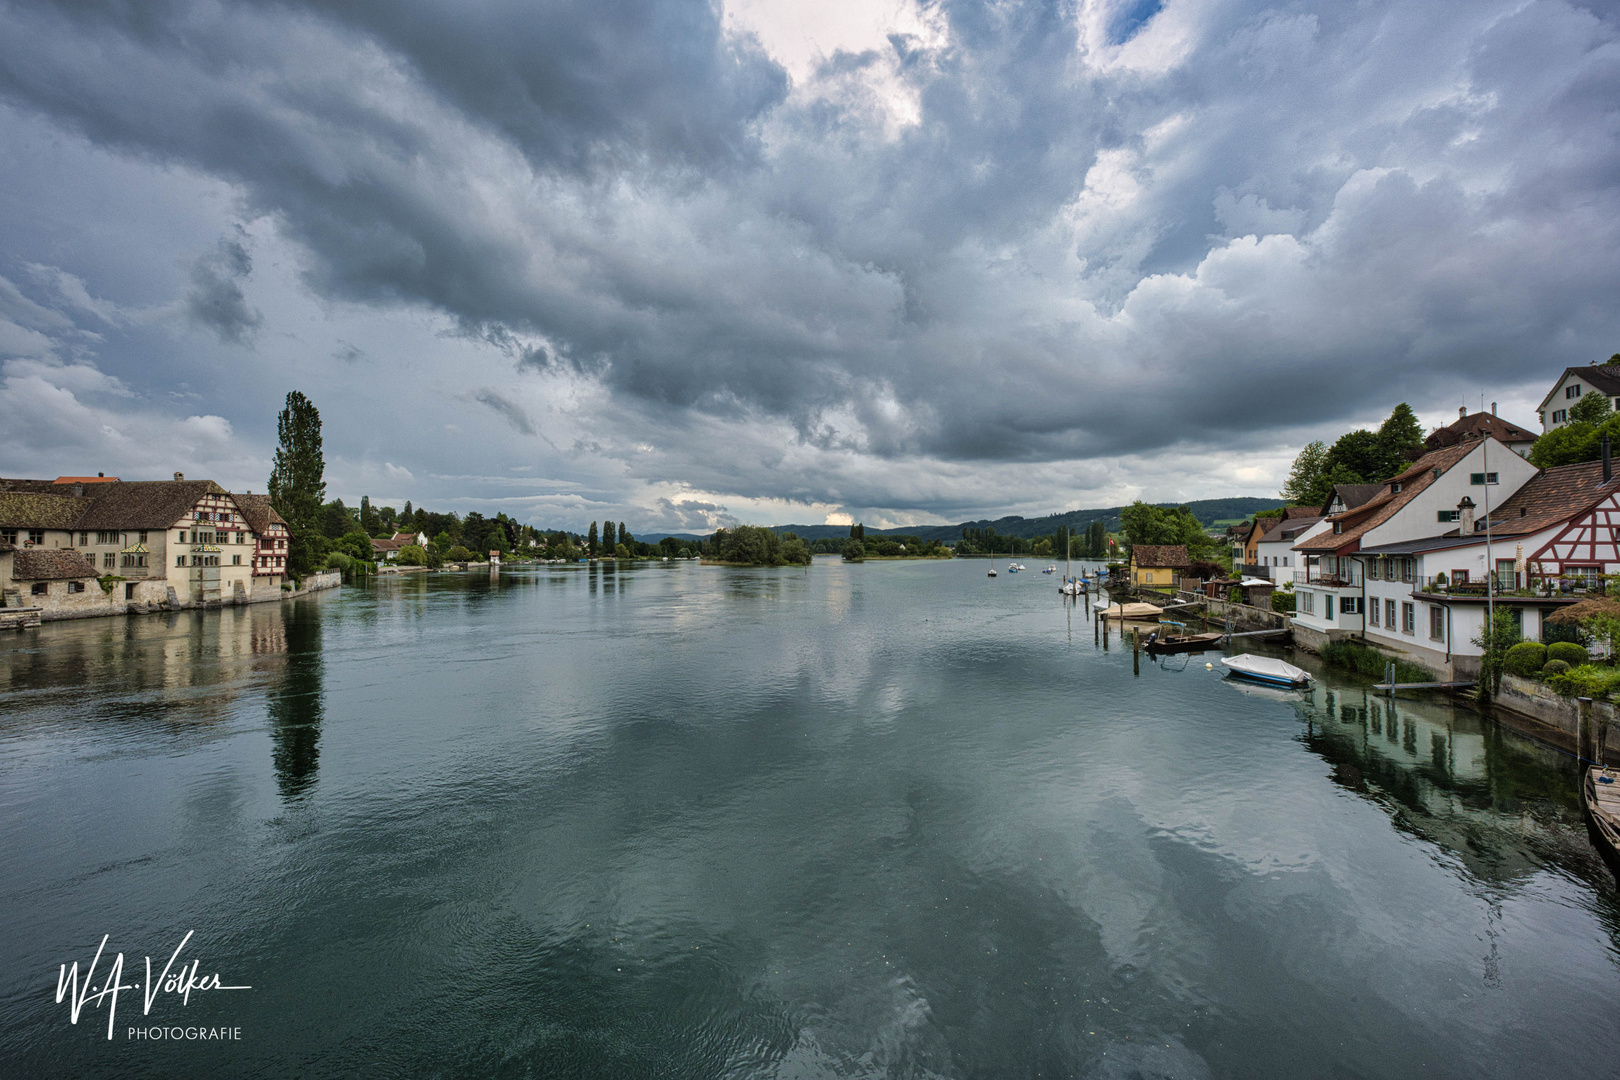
677	263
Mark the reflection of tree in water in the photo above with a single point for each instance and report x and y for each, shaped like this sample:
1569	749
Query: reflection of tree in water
295	707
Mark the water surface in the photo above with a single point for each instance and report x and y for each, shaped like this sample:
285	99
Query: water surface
893	820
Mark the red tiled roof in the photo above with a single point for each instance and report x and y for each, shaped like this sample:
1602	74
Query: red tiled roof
86	480
51	564
1477	426
1552	496
258	512
1156	555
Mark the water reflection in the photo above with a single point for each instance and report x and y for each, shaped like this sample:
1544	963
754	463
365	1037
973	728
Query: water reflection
295	706
1503	805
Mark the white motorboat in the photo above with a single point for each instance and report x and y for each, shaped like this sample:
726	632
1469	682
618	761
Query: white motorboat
1266	669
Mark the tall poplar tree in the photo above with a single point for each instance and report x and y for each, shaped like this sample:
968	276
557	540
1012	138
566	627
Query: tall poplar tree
369	521
590	540
609	537
298	482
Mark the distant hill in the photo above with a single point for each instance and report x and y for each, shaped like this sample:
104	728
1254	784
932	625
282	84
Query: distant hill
1207	511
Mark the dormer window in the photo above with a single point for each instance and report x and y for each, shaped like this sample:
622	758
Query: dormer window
1395	488
1338	527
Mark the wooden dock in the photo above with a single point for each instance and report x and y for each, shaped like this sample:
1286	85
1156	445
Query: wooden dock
1422	686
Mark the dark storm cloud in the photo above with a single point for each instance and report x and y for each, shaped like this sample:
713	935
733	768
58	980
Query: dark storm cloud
214	300
1253	217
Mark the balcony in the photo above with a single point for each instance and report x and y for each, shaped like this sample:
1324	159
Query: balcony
1330	577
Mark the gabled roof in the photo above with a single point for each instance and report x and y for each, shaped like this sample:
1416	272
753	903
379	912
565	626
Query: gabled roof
258	512
145	504
1477	426
86	480
1552	496
1352	495
410	535
1604	377
1354	524
1156	555
389	545
20	484
51	564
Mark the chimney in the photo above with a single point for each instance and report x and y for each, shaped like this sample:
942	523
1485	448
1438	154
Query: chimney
1465	516
1608	463
1493	408
1462	412
179	476
78	489
101	474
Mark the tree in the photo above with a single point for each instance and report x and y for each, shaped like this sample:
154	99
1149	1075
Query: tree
1358	454
369	521
590	541
298	482
625	538
336	520
854	551
1306	477
405	515
1593	408
609	537
1401	437
412	555
1495	640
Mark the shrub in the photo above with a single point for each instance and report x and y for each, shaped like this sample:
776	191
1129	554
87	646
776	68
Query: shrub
1554	667
1585	680
459	554
412	555
337	560
1526	658
1283	602
1370	662
1569	652
854	551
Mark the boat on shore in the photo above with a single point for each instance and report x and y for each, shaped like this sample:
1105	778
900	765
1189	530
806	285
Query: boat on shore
1266	669
1603	807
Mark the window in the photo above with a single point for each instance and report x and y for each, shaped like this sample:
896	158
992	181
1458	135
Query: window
1408	618
1372	612
1560	415
1573	390
179	560
108	560
1408	567
129	591
1389	614
1448	515
1307	602
143	536
75	586
1338	527
1437	622
84	539
106	537
1395	488
40	588
1507	579
181	539
1327	607
36	536
1480	478
236	560
1350	605
8	536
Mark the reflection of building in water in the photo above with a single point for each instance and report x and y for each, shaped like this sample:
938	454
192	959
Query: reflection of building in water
1499	803
296	705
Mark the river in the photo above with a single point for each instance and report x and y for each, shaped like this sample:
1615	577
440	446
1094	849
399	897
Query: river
668	820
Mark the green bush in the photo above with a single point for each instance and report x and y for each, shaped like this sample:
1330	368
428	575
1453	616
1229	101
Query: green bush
1370	662
1586	680
337	560
1283	602
854	551
1554	667
1569	652
459	554
1526	658
412	555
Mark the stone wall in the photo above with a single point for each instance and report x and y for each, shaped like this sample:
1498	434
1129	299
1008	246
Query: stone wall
1600	730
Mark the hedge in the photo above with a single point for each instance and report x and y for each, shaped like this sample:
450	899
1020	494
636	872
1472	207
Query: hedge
1525	659
1569	652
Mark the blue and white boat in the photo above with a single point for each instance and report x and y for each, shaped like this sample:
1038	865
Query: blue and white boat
1266	669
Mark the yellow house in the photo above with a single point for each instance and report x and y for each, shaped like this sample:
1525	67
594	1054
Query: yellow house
1157	566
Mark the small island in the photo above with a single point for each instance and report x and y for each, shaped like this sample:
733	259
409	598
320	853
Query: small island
754	545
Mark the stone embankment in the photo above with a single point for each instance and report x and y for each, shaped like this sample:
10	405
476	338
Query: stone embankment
1590	729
